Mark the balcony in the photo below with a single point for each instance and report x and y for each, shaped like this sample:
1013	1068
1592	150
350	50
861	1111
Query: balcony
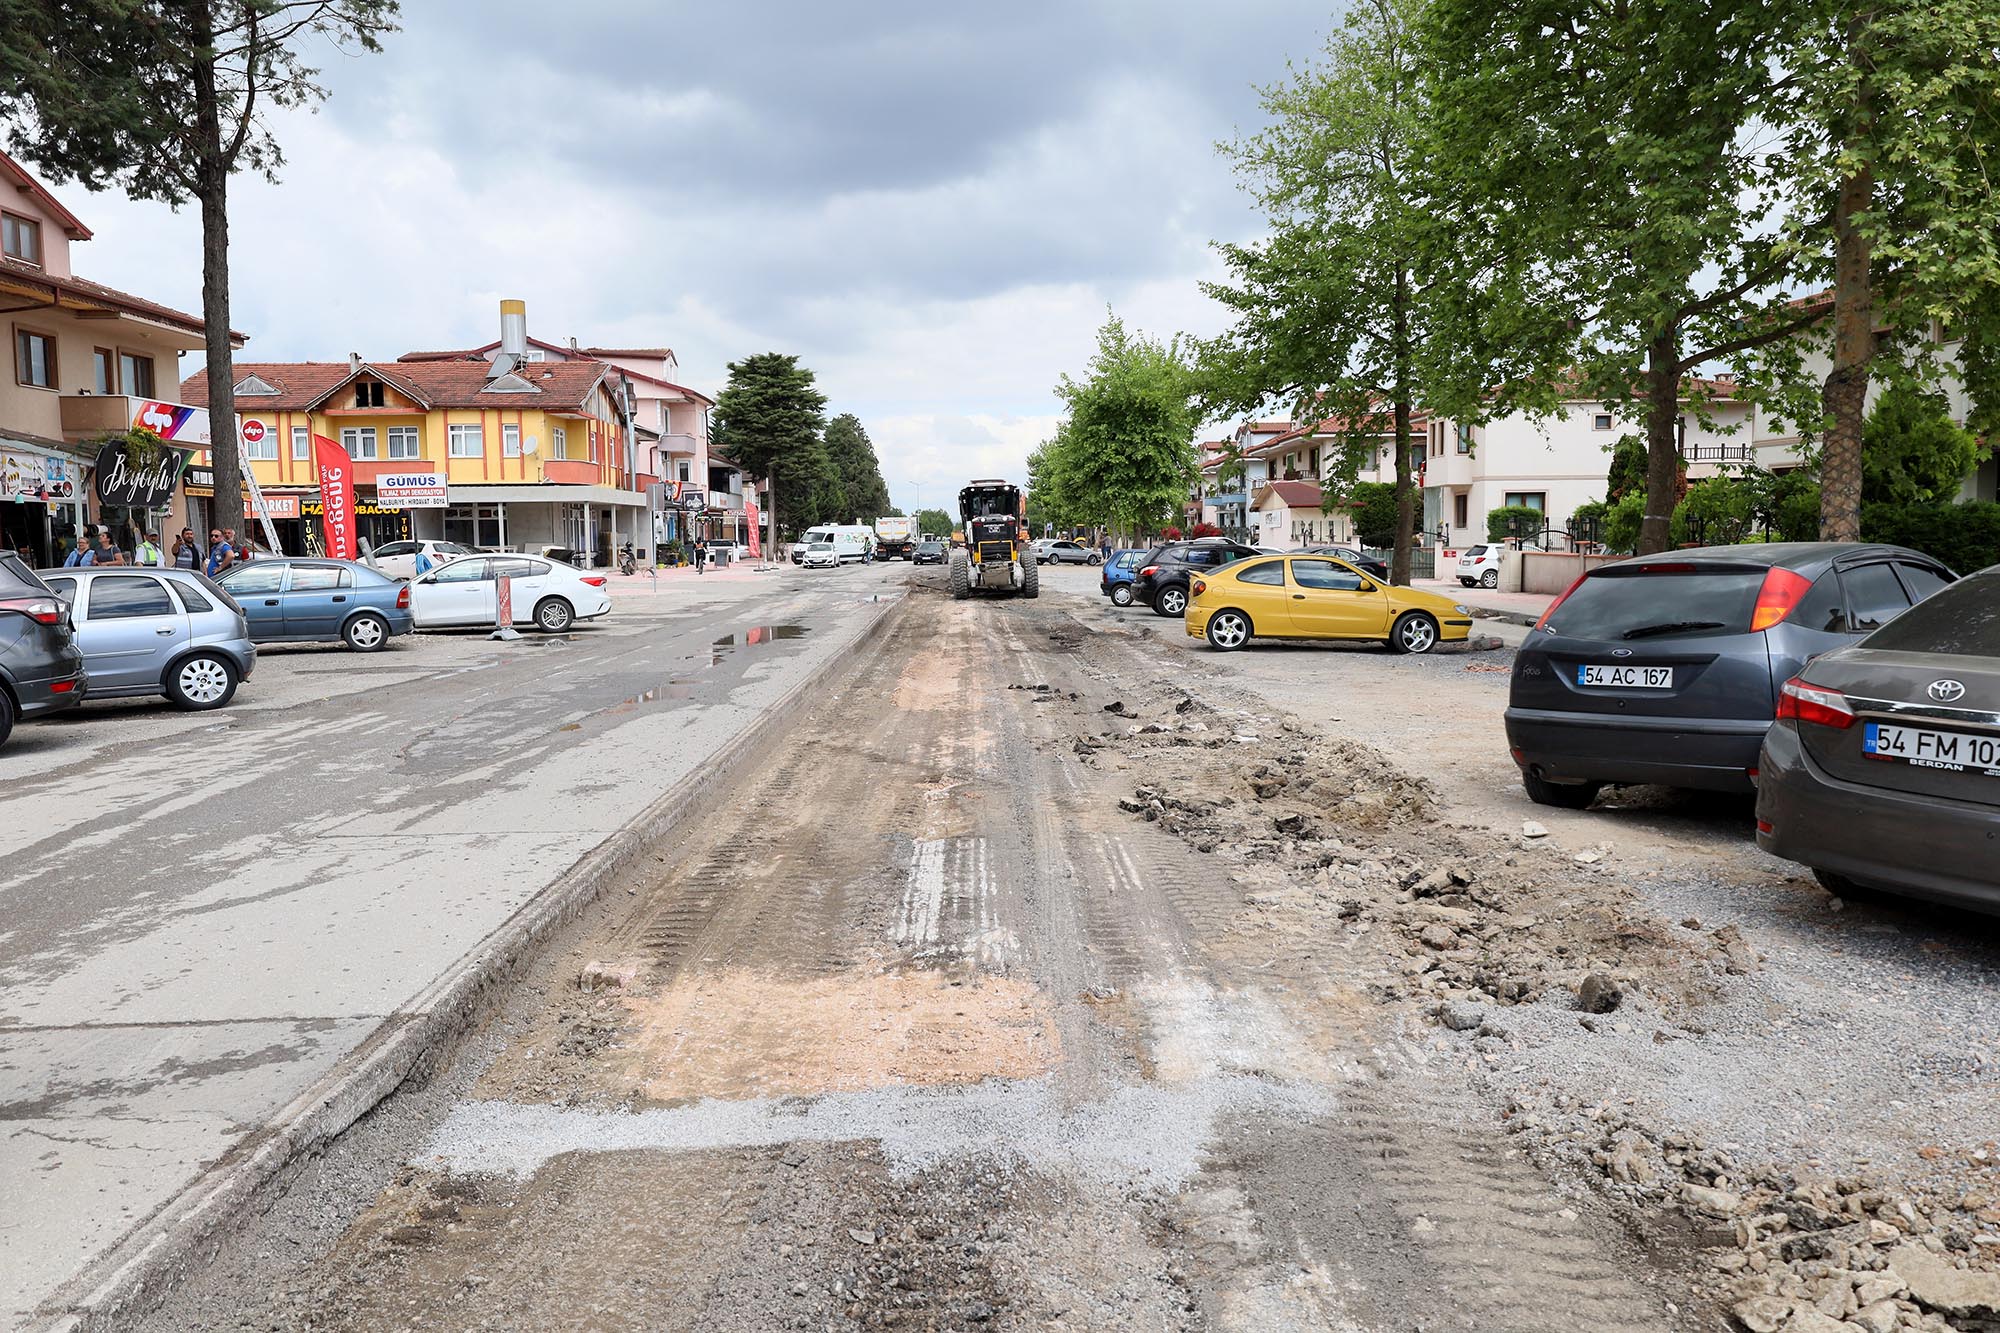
86	416
571	472
1730	452
686	446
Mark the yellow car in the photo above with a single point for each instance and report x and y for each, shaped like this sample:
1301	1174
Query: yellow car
1317	597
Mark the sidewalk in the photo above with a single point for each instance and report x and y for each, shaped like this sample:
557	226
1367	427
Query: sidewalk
1515	608
644	583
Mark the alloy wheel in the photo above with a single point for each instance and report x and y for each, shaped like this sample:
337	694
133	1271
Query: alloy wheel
203	680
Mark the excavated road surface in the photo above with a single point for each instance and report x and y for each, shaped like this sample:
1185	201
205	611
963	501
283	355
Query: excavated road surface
927	1032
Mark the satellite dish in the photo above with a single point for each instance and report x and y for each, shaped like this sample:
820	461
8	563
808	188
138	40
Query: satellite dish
530	445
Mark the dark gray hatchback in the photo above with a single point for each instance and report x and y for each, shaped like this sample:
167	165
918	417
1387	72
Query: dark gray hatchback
1665	668
41	668
1883	766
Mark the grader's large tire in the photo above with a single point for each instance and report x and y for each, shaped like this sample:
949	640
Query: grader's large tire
961	576
1031	578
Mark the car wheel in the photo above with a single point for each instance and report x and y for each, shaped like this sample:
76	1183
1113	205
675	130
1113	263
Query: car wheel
553	615
1413	632
1848	890
6	717
1567	795
1093	559
1228	630
201	682
1465	582
1170	601
1121	594
1490	579
366	632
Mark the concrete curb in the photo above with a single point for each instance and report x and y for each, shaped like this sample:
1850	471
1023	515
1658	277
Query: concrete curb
1504	617
187	1231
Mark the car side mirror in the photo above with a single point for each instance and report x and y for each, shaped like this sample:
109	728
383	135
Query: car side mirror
1366	586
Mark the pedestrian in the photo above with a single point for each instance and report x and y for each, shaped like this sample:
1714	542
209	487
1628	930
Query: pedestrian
106	553
81	553
220	555
187	552
149	551
424	562
700	554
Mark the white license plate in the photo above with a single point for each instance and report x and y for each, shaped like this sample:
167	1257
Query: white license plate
1930	749
1626	677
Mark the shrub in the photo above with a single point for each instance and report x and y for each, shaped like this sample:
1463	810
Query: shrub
1965	536
1715	512
1622	521
1501	522
1204	530
1372	507
1170	534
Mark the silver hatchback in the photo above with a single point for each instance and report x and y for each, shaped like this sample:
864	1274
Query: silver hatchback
156	631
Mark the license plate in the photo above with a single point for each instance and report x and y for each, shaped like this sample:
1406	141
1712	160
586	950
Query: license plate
1930	749
1626	677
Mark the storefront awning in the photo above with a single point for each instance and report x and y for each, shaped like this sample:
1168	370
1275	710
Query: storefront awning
549	495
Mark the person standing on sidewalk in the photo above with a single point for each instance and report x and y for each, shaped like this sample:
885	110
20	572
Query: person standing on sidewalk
106	553
219	553
700	554
187	555
149	551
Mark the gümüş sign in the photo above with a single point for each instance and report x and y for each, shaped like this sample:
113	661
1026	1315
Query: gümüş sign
139	475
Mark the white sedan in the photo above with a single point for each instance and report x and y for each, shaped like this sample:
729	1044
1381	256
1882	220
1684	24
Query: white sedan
820	555
547	594
399	559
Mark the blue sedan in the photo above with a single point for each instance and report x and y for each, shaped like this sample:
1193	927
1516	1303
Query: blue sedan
304	599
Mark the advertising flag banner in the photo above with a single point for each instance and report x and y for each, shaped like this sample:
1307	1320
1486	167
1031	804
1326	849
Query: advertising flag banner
756	531
336	496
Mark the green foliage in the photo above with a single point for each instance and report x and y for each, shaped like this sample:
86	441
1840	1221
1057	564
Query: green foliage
1715	512
1622	520
936	522
1785	504
768	421
1965	536
1628	468
863	495
1501	523
1123	456
1372	507
1912	452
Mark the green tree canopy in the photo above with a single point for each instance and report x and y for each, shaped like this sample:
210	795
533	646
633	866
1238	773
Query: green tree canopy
863	493
1912	452
768	420
1123	455
936	522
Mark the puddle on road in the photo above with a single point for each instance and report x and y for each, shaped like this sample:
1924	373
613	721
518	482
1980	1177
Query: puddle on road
757	636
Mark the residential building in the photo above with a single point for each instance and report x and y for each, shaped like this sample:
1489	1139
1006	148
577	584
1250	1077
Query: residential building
1290	510
87	361
534	452
1225	501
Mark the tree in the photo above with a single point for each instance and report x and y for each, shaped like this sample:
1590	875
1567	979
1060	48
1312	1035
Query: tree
166	99
1123	456
768	420
1649	244
1911	450
863	493
1375	509
1628	468
936	522
1332	315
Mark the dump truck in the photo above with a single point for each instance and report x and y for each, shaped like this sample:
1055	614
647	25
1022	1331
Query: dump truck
895	538
995	556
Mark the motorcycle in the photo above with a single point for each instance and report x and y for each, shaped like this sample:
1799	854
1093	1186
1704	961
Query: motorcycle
628	563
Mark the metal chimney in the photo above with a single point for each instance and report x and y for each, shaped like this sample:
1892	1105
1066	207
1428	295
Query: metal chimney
514	329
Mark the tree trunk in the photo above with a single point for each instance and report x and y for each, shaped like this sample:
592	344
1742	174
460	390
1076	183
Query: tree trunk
212	189
1663	457
1406	496
1846	391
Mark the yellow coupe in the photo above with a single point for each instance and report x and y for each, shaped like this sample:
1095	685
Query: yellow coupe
1317	597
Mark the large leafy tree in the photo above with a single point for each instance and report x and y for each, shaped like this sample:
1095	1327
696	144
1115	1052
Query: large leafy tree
1123	456
1610	151
769	420
167	100
1332	316
863	493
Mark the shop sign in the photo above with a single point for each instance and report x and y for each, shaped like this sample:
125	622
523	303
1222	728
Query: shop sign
411	490
336	496
275	506
253	431
312	508
132	475
35	477
172	421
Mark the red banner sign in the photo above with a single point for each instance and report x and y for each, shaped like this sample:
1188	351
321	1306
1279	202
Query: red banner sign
756	531
336	496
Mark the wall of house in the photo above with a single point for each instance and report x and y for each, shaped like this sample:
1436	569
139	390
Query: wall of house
37	411
55	241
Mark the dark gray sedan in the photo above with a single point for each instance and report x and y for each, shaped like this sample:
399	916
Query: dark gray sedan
1665	668
1883	767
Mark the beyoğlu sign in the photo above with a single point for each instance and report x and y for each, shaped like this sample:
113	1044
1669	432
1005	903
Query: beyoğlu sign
132	475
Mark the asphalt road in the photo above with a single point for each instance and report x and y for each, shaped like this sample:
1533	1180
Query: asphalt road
204	914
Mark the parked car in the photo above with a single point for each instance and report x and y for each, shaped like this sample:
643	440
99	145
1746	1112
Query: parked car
298	599
1665	668
1317	597
1063	552
1480	565
1367	564
157	631
929	551
41	667
399	559
1120	577
819	555
547	594
1882	768
1164	575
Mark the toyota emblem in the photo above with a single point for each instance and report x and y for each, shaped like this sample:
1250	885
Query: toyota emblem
1944	691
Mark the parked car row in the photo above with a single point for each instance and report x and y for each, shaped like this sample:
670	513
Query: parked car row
107	632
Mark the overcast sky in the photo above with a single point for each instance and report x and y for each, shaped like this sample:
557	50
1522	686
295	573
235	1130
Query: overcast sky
932	204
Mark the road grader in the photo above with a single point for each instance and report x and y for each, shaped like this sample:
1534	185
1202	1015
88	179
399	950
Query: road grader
995	557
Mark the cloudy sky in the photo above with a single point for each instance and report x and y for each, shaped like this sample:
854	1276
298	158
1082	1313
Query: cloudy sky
931	203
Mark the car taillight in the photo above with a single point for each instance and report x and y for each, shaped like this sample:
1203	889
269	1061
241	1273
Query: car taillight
62	686
1802	701
1149	571
41	610
1544	621
595	580
1782	590
403	597
1199	587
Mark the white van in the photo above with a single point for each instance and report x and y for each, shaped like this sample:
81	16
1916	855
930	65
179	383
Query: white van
851	541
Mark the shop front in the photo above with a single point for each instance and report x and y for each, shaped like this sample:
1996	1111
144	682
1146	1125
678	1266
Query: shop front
41	502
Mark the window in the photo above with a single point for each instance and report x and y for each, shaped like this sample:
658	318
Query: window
320	578
103	373
518	569
1820	609
1921	580
368	393
462	571
1607	604
302	443
475	525
1459	505
191	596
255	579
1601	421
125	598
684	473
21	238
34	359
1271	573
403	442
136	374
1961	621
558	442
396	548
1874	597
510	441
359	441
264	447
1325	576
1465	439
1527	500
466	440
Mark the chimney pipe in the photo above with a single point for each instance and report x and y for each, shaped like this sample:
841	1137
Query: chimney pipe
354	363
514	329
